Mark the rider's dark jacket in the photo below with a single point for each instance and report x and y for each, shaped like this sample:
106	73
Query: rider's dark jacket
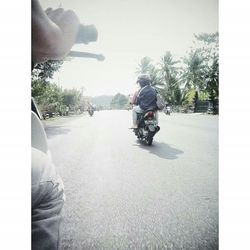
147	98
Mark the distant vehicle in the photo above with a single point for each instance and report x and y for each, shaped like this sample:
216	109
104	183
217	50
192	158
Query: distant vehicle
184	110
213	109
91	110
167	110
67	110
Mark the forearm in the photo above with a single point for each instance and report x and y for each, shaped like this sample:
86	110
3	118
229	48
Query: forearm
53	34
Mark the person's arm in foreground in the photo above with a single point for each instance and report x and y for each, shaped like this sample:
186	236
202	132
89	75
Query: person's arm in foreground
54	32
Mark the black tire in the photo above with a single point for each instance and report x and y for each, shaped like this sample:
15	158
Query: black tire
149	140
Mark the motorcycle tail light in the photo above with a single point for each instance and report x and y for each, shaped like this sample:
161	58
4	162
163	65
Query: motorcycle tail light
150	115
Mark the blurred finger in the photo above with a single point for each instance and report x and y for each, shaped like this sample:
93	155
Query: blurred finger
69	25
48	11
56	14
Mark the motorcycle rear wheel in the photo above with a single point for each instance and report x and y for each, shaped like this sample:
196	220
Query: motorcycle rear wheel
149	139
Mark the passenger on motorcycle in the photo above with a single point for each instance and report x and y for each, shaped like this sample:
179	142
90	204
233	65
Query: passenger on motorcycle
144	99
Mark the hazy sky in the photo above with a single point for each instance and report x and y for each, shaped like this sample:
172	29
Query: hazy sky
129	30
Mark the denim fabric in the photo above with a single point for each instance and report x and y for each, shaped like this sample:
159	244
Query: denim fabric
47	193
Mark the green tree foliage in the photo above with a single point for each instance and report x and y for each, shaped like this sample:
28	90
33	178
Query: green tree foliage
201	65
208	38
46	70
72	98
49	97
196	98
170	79
189	97
119	101
212	76
145	66
168	68
195	74
156	77
38	87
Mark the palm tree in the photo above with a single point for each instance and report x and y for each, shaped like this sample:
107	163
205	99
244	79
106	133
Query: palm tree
168	67
201	63
169	73
156	77
144	66
193	75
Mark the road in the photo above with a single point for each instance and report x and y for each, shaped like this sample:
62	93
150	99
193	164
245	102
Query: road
122	194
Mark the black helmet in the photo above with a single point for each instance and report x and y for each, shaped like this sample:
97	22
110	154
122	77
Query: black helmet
144	79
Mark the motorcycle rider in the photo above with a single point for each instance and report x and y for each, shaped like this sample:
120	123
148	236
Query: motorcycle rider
144	99
91	109
168	109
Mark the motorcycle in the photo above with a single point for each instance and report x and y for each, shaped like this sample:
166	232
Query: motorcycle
167	110
147	126
91	112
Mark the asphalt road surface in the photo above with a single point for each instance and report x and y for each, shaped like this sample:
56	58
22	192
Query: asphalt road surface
122	194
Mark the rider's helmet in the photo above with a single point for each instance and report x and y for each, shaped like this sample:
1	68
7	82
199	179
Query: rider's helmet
144	79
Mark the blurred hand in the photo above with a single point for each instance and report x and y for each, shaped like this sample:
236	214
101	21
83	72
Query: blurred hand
54	32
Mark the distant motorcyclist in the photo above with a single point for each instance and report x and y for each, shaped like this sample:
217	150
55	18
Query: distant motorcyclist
67	110
144	99
167	109
90	109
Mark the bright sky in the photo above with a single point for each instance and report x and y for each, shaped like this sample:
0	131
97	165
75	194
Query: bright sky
129	30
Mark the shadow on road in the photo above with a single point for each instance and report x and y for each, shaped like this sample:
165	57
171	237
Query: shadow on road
161	150
55	130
